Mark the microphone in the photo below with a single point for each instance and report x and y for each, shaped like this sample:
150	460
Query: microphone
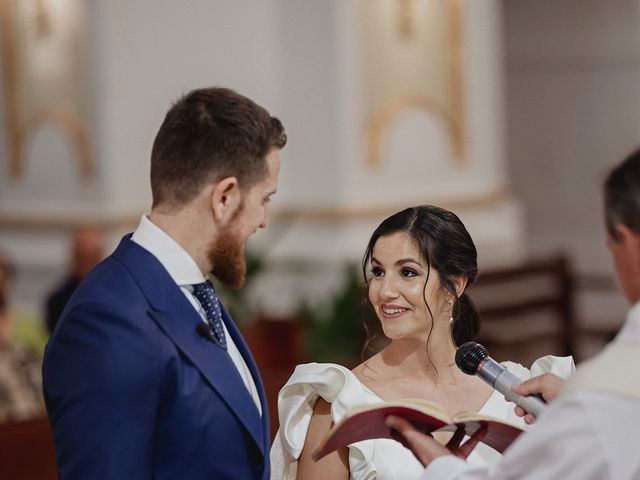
205	331
473	359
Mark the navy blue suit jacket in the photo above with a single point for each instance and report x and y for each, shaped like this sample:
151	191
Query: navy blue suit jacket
132	390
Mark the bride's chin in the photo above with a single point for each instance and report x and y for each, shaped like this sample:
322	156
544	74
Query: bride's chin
398	334
394	334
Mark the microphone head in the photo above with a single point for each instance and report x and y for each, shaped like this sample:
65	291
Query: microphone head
469	355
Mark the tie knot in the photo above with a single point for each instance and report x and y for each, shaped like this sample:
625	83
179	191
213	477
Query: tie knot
203	289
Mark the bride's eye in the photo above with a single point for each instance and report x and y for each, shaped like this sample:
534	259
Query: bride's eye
376	272
408	273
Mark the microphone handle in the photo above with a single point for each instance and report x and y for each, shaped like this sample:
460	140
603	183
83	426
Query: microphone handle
531	403
502	380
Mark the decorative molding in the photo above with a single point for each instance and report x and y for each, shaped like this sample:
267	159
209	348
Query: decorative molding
73	126
385	115
21	121
10	80
456	69
342	213
63	221
452	114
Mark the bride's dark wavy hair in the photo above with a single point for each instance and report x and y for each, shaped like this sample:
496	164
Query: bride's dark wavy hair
447	247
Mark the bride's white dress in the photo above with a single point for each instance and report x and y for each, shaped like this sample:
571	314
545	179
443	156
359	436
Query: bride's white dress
380	459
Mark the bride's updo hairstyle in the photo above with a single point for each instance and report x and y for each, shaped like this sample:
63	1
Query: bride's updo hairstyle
447	247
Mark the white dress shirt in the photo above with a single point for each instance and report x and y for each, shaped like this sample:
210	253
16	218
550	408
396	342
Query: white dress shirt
586	434
184	271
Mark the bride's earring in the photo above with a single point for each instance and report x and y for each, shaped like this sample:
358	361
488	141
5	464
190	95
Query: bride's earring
450	303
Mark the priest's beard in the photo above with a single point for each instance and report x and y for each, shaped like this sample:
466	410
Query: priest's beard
227	254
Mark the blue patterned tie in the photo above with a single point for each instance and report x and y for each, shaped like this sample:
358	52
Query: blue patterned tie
206	295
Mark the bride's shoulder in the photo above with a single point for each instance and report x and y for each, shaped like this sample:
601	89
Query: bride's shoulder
326	379
563	367
314	369
334	383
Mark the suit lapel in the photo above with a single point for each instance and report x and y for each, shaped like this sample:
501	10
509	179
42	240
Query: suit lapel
177	318
253	369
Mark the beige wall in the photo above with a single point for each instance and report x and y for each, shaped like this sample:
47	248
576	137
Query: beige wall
573	109
564	74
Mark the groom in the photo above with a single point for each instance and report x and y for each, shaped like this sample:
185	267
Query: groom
146	375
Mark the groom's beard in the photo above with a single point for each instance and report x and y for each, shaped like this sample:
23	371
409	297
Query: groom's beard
227	255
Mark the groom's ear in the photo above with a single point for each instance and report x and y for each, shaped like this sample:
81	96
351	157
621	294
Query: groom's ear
225	198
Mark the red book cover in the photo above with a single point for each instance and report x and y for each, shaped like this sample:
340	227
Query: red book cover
368	423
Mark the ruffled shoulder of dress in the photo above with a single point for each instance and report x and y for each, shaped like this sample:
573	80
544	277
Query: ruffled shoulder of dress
336	384
563	367
497	406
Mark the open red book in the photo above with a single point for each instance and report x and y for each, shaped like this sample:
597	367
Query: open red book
365	423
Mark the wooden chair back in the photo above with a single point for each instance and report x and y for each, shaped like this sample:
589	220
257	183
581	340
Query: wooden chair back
527	310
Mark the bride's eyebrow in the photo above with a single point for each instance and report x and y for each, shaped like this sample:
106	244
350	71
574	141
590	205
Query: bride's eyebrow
399	262
402	261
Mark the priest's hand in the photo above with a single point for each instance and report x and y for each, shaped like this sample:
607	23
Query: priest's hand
548	385
425	448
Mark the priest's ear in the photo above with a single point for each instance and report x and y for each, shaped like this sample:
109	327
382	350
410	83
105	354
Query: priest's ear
624	244
627	238
225	199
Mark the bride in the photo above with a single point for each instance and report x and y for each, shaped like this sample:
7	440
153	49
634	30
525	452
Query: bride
417	265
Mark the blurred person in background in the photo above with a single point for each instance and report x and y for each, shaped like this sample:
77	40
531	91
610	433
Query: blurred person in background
87	250
20	379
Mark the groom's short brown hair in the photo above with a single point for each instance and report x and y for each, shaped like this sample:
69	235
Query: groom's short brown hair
207	135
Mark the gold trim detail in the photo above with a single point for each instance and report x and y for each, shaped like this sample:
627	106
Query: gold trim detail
456	68
340	213
386	114
66	221
8	49
57	221
75	128
453	118
18	131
